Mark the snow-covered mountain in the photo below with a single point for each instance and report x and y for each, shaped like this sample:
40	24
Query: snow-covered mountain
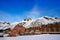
28	22
4	25
40	21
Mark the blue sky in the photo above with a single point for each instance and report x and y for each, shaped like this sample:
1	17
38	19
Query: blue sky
16	10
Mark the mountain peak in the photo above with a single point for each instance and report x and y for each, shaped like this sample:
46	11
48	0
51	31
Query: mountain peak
27	19
28	22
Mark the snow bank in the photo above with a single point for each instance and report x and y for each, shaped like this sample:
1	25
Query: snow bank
34	37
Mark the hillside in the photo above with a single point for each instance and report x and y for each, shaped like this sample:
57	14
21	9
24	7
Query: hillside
38	26
31	26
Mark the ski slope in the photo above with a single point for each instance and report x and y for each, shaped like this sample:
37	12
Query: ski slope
34	37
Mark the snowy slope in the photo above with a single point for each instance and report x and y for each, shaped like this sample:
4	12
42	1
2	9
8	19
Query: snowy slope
41	21
4	25
37	22
13	24
31	23
28	23
34	37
